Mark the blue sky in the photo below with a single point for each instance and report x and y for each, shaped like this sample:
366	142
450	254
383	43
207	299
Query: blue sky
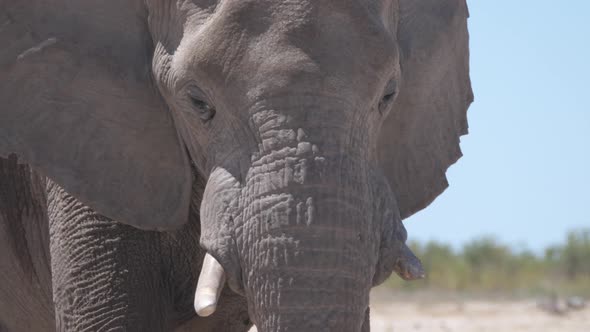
525	174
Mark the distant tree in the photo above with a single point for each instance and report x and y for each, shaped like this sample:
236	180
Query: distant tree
576	254
484	264
489	262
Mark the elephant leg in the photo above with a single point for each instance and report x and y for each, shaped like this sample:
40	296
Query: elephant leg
106	275
25	278
367	322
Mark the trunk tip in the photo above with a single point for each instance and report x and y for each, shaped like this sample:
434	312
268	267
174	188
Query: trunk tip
408	266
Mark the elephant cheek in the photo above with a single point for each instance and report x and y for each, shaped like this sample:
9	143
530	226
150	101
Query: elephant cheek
218	210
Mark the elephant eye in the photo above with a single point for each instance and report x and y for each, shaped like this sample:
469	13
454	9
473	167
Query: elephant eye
198	101
388	96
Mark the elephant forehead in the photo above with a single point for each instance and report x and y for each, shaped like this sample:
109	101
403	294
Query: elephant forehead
265	46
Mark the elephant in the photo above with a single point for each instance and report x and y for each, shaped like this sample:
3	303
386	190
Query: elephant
250	160
25	279
25	271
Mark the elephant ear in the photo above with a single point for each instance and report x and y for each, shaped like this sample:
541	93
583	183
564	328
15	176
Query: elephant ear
419	139
77	102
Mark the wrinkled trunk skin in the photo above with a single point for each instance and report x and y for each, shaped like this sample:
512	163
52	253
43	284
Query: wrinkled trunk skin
309	249
307	228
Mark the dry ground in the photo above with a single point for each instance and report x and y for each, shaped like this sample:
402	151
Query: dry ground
474	316
390	313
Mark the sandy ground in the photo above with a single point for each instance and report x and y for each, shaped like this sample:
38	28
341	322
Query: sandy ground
389	314
474	316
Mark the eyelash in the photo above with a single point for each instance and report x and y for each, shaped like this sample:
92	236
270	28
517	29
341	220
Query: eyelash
197	98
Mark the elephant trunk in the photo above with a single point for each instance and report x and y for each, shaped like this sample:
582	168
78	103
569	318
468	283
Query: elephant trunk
309	249
324	302
301	236
309	241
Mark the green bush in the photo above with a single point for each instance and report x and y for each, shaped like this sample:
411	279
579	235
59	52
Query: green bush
485	265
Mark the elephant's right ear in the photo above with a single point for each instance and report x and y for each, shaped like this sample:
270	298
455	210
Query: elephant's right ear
77	102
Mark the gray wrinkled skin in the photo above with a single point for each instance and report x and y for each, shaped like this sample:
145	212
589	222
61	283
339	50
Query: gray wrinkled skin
106	275
288	139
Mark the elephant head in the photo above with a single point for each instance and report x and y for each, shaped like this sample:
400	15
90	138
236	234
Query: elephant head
319	126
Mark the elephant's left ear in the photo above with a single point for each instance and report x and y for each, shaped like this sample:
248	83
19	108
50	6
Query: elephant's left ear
77	102
420	138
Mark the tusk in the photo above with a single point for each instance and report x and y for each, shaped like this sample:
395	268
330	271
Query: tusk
211	281
408	266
